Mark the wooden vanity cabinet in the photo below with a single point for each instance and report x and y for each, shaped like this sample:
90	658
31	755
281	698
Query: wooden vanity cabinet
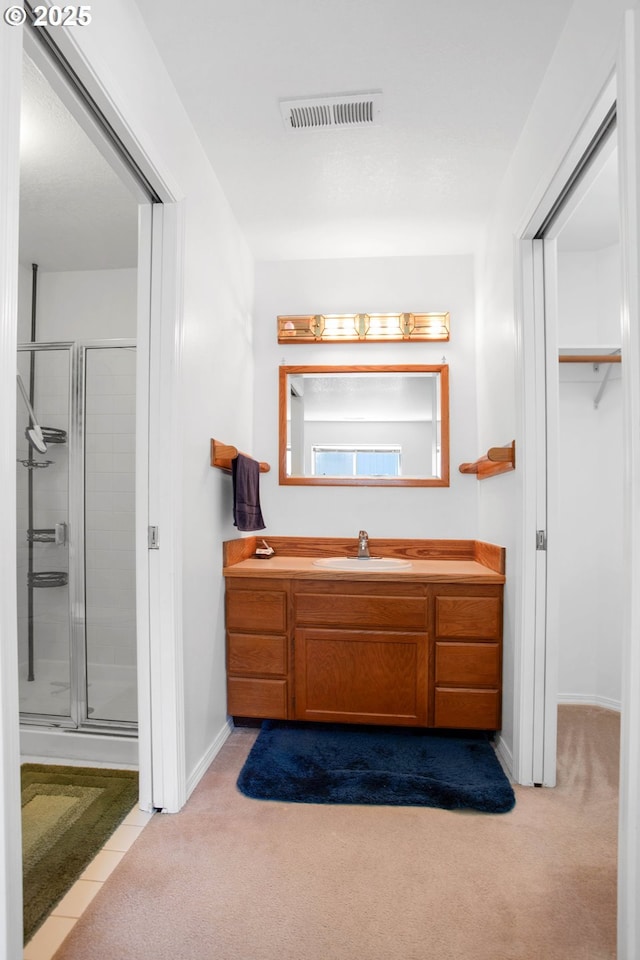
414	652
258	648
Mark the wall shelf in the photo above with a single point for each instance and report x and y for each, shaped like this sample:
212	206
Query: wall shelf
496	460
222	454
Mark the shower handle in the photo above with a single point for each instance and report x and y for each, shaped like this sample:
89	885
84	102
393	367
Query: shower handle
60	534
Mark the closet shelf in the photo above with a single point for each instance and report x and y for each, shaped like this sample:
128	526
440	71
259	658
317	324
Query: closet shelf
496	460
222	454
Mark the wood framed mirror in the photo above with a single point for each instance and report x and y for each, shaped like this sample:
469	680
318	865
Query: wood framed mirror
382	426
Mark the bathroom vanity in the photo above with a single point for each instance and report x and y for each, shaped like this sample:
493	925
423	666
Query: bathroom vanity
418	644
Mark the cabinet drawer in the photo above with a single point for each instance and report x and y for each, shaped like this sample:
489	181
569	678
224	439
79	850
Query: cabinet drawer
262	611
357	610
257	698
459	617
253	653
467	709
468	664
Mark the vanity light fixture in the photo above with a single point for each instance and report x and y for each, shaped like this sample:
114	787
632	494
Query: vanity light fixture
363	327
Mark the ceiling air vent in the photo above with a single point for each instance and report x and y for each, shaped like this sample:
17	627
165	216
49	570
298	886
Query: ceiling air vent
323	113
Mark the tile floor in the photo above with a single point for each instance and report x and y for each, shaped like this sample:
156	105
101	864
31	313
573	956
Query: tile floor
48	938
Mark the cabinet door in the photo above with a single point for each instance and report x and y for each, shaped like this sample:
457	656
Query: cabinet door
361	676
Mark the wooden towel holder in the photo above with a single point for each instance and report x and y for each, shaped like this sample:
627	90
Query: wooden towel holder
222	454
496	460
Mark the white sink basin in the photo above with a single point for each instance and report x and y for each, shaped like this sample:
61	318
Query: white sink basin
368	564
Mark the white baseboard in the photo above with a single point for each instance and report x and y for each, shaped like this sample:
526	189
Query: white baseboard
205	762
590	701
504	756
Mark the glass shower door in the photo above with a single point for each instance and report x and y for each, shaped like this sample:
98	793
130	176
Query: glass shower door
109	524
42	444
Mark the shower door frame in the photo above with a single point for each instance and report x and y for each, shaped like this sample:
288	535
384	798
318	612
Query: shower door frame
77	515
78	718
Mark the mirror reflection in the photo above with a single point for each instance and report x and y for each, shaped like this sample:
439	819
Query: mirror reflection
364	425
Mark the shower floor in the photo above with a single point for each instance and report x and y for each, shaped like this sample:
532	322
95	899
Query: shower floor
112	691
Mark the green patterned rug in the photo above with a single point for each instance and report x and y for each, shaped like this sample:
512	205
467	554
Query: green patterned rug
67	815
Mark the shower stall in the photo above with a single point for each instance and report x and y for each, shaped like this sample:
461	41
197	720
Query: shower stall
75	542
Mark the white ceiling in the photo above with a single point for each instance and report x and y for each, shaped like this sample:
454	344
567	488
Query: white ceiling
75	213
458	78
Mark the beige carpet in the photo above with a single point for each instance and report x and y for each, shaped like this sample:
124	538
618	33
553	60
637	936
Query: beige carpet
231	878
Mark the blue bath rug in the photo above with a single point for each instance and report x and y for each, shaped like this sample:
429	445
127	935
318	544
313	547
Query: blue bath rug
392	766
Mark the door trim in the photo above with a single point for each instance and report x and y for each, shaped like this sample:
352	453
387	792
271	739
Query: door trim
10	825
629	814
165	667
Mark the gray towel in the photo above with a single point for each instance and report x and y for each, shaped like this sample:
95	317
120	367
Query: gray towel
246	493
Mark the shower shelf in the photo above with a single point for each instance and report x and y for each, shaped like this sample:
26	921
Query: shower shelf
42	536
222	454
48	578
54	435
36	464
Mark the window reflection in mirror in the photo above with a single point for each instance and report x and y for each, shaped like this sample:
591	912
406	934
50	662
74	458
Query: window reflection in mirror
364	425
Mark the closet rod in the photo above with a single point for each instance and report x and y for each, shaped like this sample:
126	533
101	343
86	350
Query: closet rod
590	358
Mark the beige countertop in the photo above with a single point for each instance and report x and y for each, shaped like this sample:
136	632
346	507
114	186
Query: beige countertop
298	568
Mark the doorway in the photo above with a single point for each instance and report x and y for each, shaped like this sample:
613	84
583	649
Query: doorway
77	372
590	448
584	443
579	323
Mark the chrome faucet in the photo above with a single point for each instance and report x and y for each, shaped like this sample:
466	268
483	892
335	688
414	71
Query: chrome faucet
363	545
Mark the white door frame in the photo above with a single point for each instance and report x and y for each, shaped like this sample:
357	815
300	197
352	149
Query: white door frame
158	474
163	774
10	826
533	727
537	357
629	171
164	668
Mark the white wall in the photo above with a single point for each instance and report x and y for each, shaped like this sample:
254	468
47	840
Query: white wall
590	480
89	304
582	63
419	284
589	292
82	304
